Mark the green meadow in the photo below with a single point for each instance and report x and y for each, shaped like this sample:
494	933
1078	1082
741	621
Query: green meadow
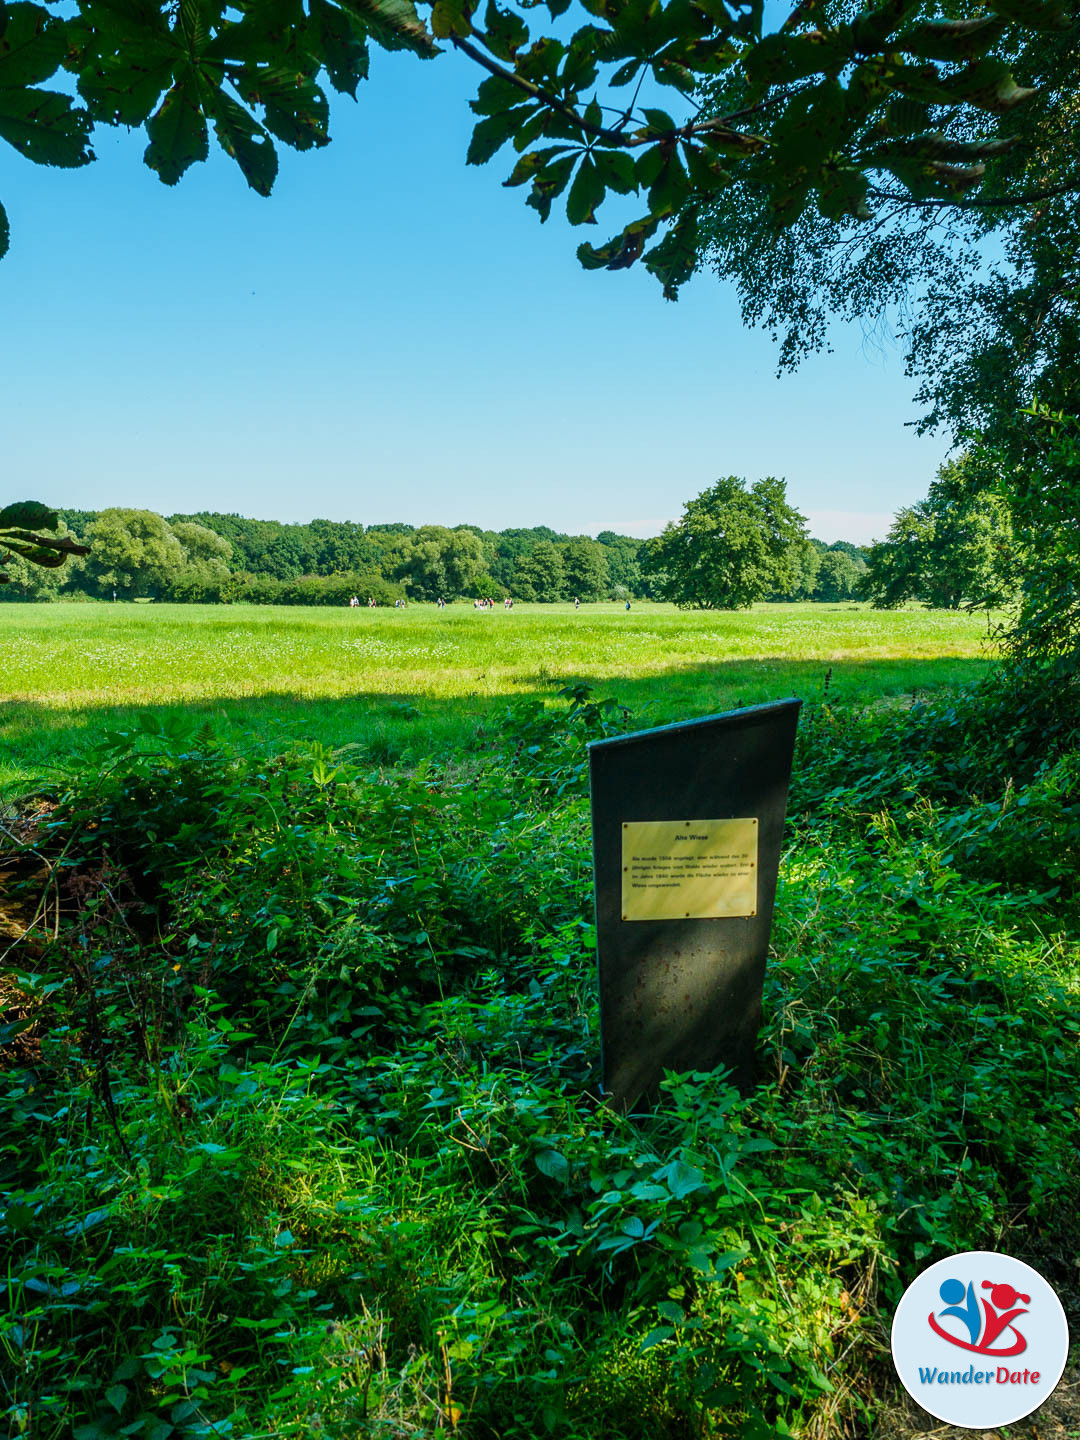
421	681
302	1128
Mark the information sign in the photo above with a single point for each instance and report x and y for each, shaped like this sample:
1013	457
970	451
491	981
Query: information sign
687	826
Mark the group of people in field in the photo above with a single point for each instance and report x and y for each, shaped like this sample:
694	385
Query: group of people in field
440	603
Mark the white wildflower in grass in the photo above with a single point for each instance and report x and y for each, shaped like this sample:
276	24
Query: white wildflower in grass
423	682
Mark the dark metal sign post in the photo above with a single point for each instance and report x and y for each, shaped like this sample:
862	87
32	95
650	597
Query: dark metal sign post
687	826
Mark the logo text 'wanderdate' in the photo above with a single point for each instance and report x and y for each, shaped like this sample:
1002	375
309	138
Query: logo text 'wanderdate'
995	1308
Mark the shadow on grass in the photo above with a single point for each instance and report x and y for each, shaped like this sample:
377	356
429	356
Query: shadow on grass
38	740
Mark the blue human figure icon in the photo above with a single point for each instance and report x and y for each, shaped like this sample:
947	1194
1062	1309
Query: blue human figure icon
953	1292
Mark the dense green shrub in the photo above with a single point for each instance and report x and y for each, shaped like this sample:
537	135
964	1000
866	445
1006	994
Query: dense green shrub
980	742
300	1129
245	588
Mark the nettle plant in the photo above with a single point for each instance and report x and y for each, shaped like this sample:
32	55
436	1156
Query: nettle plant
899	103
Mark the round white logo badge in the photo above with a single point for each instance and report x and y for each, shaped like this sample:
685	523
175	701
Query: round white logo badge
979	1340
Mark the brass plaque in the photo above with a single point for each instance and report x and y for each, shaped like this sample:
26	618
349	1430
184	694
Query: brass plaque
689	869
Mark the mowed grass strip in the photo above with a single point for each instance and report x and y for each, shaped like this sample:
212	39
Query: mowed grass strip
426	681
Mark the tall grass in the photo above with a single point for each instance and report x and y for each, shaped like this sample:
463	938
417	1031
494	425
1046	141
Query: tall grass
423	682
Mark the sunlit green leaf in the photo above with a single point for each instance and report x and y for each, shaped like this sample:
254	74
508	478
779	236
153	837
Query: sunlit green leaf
586	193
492	133
178	134
394	24
241	136
341	46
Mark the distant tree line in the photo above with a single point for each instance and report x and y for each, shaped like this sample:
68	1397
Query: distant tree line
210	557
735	544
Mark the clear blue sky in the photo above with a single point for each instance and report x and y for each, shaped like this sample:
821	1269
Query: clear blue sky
394	336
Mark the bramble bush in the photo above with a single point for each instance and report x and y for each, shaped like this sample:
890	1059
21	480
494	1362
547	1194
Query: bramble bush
299	1119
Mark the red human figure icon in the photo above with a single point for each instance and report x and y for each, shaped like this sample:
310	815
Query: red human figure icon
1001	1296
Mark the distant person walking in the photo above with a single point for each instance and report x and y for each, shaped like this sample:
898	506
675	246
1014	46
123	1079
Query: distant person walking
577	603
628	604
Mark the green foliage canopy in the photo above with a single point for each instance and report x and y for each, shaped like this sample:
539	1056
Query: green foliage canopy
623	558
586	568
230	558
438	562
541	574
846	109
837	576
979	290
270	547
800	577
24	575
509	546
133	551
204	551
1042	491
953	548
733	546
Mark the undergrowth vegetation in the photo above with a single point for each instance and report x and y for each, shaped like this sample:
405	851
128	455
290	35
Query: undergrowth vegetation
299	1119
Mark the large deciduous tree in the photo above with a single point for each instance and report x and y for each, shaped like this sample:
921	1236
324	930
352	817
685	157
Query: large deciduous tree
953	549
1042	490
837	578
733	546
133	552
540	574
850	110
436	561
585	567
206	553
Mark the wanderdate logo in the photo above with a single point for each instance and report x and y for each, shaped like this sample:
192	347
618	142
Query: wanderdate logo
984	1325
996	1309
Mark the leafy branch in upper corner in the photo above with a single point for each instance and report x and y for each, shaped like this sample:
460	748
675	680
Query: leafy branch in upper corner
20	527
844	107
